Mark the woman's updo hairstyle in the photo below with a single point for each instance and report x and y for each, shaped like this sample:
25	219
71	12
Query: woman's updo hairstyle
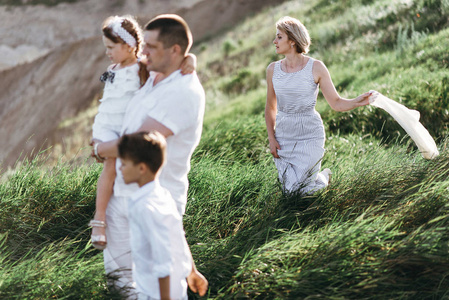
296	32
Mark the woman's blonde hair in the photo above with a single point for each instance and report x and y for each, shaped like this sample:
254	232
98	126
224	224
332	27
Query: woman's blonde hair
296	32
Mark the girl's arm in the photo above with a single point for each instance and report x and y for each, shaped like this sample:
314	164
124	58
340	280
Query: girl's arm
337	103
164	288
188	65
270	112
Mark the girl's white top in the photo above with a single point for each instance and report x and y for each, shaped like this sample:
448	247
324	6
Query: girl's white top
409	121
116	95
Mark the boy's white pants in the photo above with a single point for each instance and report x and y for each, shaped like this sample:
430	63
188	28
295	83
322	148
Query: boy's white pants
146	297
117	255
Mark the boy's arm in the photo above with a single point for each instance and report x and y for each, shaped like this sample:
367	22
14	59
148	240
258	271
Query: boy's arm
164	287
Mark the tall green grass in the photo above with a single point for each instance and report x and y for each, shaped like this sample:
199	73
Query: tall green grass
380	231
245	212
44	249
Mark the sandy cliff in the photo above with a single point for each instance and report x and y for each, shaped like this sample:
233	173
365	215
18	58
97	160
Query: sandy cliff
52	58
37	96
29	31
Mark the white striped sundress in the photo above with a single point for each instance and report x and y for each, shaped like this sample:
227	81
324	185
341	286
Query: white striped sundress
299	130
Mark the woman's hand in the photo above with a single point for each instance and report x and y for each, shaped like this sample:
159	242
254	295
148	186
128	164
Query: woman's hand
274	147
363	99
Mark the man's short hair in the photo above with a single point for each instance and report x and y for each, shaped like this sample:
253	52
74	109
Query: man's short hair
172	30
144	147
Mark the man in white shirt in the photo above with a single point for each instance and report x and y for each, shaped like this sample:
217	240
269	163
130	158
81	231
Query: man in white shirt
172	104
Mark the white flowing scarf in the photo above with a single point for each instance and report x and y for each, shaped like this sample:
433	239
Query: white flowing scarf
409	120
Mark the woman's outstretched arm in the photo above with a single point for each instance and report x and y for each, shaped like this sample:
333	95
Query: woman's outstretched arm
323	78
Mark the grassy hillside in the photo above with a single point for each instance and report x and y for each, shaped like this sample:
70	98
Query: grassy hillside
380	231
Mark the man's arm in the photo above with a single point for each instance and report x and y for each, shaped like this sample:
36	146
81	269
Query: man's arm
151	124
196	281
110	149
106	149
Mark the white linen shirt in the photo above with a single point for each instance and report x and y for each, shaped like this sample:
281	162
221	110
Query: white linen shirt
158	243
177	102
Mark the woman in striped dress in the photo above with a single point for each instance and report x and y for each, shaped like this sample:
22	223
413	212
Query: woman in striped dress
295	129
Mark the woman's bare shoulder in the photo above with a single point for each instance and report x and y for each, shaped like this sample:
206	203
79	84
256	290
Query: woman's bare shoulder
318	63
271	66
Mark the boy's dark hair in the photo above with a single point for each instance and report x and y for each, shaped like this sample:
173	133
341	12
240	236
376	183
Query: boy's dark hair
144	147
172	30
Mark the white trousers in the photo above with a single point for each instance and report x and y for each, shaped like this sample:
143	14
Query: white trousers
142	296
117	255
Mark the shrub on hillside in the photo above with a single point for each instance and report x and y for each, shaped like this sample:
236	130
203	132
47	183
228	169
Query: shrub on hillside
244	81
240	140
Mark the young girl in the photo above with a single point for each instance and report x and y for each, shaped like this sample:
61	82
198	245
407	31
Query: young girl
122	38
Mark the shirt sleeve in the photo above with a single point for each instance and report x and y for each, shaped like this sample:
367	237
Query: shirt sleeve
157	227
179	107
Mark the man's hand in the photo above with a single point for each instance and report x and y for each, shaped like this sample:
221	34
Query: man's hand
197	282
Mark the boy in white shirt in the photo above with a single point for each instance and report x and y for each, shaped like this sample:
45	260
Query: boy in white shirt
160	254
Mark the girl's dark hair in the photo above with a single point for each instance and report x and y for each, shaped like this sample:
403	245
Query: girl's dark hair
129	24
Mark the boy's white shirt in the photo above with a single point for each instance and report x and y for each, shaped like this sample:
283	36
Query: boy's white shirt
177	102
158	243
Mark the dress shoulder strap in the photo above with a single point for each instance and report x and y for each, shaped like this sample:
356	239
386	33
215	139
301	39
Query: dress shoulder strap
277	65
310	62
309	65
277	68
